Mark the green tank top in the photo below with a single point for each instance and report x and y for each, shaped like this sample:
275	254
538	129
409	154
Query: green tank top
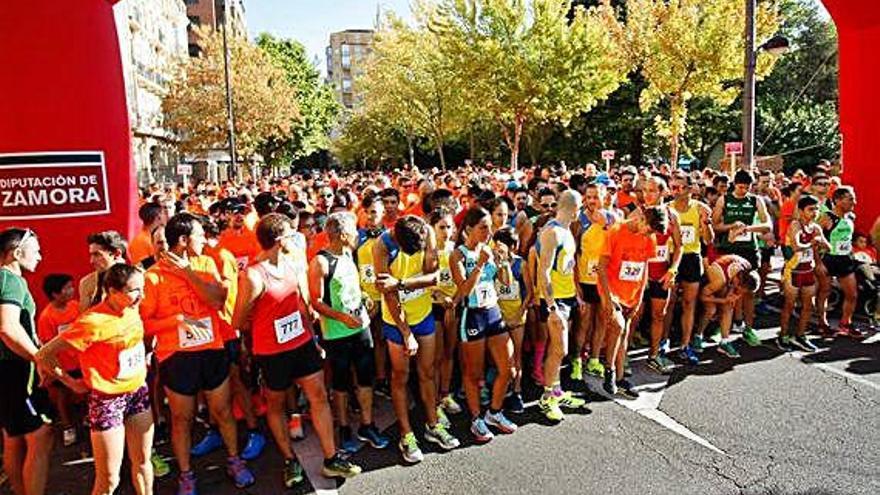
840	236
740	210
342	292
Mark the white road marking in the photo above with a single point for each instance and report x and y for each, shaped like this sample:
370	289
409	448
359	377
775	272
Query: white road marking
847	375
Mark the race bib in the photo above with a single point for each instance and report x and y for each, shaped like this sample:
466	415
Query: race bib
662	253
508	292
190	338
242	262
368	274
807	256
363	314
131	362
485	294
744	237
631	271
843	247
592	267
407	295
445	279
688	234
289	327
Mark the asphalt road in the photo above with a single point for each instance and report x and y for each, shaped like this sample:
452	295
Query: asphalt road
768	423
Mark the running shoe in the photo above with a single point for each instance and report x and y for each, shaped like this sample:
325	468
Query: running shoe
549	405
480	431
449	404
209	443
698	344
186	484
409	447
515	403
569	401
595	368
293	473
498	420
239	472
577	369
664	346
337	467
715	336
626	389
440	436
382	389
254	446
161	468
751	337
848	330
804	344
687	353
610	382
783	343
658	364
442	418
348	442
728	350
371	435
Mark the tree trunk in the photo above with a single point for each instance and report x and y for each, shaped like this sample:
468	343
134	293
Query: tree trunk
677	112
412	152
517	137
473	145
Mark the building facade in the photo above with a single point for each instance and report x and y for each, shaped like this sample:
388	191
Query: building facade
346	57
209	14
152	38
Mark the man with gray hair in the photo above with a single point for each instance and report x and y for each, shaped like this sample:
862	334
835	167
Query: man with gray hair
335	289
557	290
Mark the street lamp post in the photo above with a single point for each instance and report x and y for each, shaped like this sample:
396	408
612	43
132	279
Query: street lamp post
229	111
776	45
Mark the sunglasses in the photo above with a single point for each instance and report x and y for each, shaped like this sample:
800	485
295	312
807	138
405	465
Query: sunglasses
549	205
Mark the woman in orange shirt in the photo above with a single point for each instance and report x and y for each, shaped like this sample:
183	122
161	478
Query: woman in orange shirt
109	339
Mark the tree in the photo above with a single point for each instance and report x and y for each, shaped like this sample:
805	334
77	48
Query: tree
367	138
526	61
317	105
263	99
686	49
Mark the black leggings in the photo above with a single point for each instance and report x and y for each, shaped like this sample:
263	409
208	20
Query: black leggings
353	351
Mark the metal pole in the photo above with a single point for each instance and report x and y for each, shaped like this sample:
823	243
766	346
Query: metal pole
229	112
748	132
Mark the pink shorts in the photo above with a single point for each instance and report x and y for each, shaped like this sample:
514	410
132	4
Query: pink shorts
110	411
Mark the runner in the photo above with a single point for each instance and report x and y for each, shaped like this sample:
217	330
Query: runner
55	318
105	250
367	237
237	238
109	340
442	222
270	305
696	230
592	226
345	326
482	328
182	296
141	245
556	252
405	259
727	279
802	244
25	408
514	300
838	226
623	276
738	217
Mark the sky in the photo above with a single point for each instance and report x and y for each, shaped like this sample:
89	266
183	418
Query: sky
312	21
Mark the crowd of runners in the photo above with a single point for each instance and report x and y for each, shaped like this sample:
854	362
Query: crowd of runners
444	290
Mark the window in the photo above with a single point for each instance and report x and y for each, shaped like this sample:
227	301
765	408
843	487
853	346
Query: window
194	50
346	56
346	85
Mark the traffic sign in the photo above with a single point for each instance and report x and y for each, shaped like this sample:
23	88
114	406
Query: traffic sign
735	147
608	154
184	169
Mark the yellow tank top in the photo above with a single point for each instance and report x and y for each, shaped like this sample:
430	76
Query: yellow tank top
416	303
445	284
592	243
366	270
562	271
689	224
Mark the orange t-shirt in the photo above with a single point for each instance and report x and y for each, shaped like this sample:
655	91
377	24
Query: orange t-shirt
624	198
786	214
53	321
242	244
140	247
319	242
628	255
111	347
228	268
168	297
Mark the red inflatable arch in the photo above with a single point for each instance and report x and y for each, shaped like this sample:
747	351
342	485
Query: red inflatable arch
65	156
858	32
